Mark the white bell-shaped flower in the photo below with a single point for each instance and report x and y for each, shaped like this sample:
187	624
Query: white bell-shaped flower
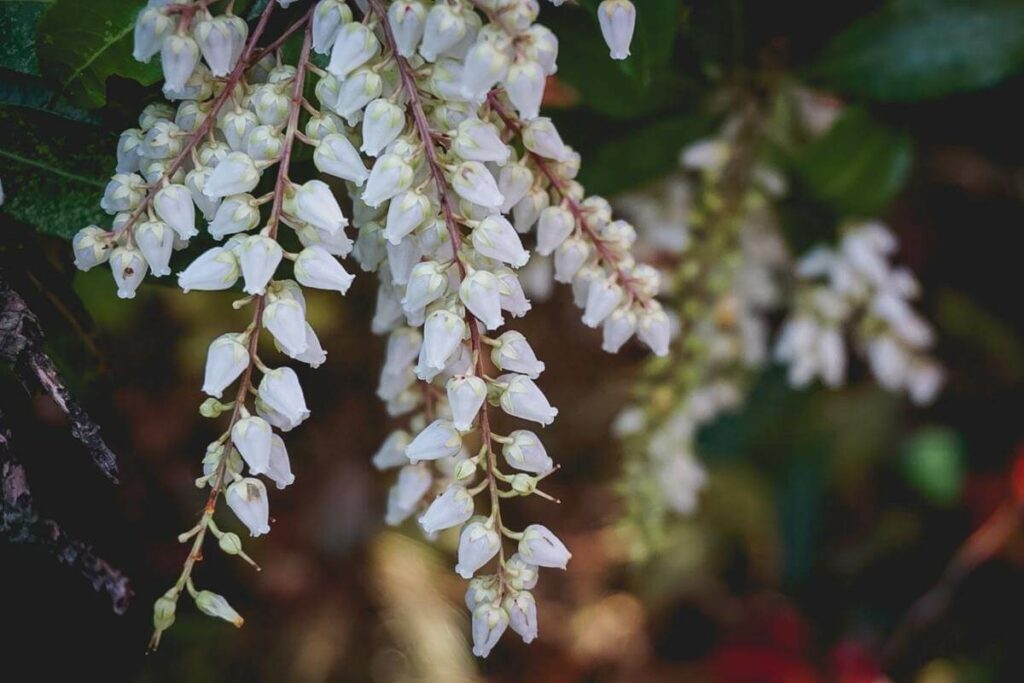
603	297
466	395
514	181
237	213
316	205
569	258
481	590
129	269
525	87
313	354
162	141
124	192
618	20
513	353
190	115
477	140
489	624
360	88
453	507
328	18
522	614
179	56
443	331
251	436
270	104
92	247
390	175
408	19
527	211
226	360
258	257
542	45
520	574
392	452
513	298
474	183
236	174
214	269
412	484
247	498
525	452
383	121
279	467
336	243
540	547
281	392
336	156
151	28
128	151
523	399
654	329
438	440
486	64
445	26
406	212
480	294
155	240
265	143
173	204
216	40
555	225
354	45
237	125
320	125
478	543
495	238
427	283
287	322
541	137
316	268
195	181
618	328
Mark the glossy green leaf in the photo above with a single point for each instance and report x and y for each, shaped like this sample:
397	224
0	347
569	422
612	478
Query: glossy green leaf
26	90
79	48
18	22
858	166
921	49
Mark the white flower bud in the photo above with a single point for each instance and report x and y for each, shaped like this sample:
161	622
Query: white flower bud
216	40
406	212
226	360
237	213
237	125
195	181
316	205
128	151
236	174
541	547
280	392
520	574
480	294
217	606
354	45
477	140
392	452
466	395
247	498
427	283
173	204
495	238
555	225
155	240
92	246
258	257
654	329
523	399
489	624
569	258
542	45
603	297
313	355
451	508
383	121
316	268
514	182
522	614
408	19
617	19
279	468
179	56
528	209
482	590
265	143
360	88
328	18
212	270
438	440
618	328
287	322
390	175
270	104
320	125
525	87
513	353
443	331
123	193
251	436
412	484
541	137
526	452
336	156
478	543
474	183
336	244
151	28
445	26
486	64
513	298
129	269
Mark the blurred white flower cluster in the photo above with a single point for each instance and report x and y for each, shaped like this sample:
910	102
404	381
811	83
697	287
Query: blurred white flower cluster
429	114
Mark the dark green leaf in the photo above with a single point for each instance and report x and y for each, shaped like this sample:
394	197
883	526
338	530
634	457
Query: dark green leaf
80	49
25	90
920	49
18	21
858	166
54	171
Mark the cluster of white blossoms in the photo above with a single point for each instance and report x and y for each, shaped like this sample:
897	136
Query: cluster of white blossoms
430	115
853	290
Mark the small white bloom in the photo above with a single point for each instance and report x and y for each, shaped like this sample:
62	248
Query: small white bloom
495	238
313	355
226	360
92	246
443	331
528	209
279	468
287	322
392	452
618	328
451	508
236	174
408	19
360	88
489	624
195	181
521	575
151	28
128	151
406	212
251	436
513	298
523	399
217	606
173	204
155	240
924	381
543	47
513	353
162	141
237	213
258	257
617	19
354	45
316	268
328	18
654	329
427	283
555	225
478	543
486	64
265	143
179	56
383	121
438	440
514	182
525	87
480	294
474	183
603	297
212	270
412	484
248	500
466	395
129	269
445	26
482	590
217	39
237	125
526	452
477	140
336	244
569	258
541	137
390	175
316	205
541	547
124	192
522	614
336	156
281	392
